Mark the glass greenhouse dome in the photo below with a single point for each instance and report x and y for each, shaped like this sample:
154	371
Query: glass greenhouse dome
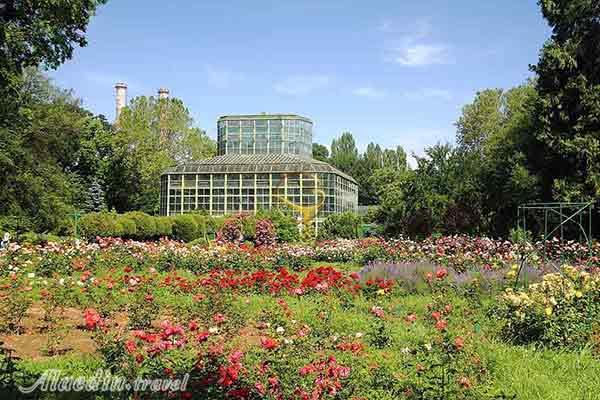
264	162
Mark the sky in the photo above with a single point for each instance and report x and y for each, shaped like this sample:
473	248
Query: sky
392	72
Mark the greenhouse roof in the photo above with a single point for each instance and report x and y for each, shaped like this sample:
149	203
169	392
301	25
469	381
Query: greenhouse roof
263	116
256	163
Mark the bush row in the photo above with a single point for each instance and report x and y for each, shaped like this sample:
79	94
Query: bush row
187	227
140	226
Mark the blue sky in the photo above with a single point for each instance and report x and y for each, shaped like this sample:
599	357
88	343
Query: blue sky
394	72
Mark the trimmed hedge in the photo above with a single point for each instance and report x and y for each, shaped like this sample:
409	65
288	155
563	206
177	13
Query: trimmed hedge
193	227
346	225
140	226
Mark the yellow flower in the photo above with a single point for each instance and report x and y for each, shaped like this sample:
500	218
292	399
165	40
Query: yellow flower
548	311
578	294
381	292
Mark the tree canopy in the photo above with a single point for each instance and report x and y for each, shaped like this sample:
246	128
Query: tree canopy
151	135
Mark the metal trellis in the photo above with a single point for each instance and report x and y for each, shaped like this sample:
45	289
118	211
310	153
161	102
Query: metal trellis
568	214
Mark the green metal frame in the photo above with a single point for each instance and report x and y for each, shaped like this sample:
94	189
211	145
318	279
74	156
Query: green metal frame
567	213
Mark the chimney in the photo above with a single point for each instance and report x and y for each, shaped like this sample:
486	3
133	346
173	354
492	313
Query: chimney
163	93
120	98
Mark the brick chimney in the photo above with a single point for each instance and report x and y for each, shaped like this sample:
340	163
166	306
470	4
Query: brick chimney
120	98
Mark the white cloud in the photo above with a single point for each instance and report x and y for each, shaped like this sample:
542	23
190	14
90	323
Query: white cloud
300	85
421	54
412	48
429	93
367	91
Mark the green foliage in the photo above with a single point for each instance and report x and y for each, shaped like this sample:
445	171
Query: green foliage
345	226
373	160
320	152
145	225
285	224
95	198
152	134
344	153
562	311
127	226
185	228
42	129
164	226
102	224
50	159
14	303
568	105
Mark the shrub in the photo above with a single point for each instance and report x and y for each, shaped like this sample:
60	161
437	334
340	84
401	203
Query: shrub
14	303
14	225
145	225
127	226
208	226
249	226
101	224
560	311
265	234
231	231
185	228
285	225
343	226
38	238
164	226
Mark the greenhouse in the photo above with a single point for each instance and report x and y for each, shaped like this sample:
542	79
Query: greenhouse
264	162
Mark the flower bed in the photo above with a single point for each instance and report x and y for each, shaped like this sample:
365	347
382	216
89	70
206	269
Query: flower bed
281	322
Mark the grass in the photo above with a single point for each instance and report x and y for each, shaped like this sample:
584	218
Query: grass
526	372
543	374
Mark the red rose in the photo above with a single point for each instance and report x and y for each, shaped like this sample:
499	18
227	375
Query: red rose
377	311
459	343
92	319
268	343
441	325
411	318
441	273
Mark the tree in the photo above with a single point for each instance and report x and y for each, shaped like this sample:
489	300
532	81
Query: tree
395	159
568	106
320	152
480	120
95	199
34	33
41	127
507	167
151	135
49	157
344	153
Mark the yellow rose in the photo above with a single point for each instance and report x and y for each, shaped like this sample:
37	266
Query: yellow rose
578	294
548	311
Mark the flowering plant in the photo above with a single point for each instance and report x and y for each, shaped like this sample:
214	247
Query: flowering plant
561	310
